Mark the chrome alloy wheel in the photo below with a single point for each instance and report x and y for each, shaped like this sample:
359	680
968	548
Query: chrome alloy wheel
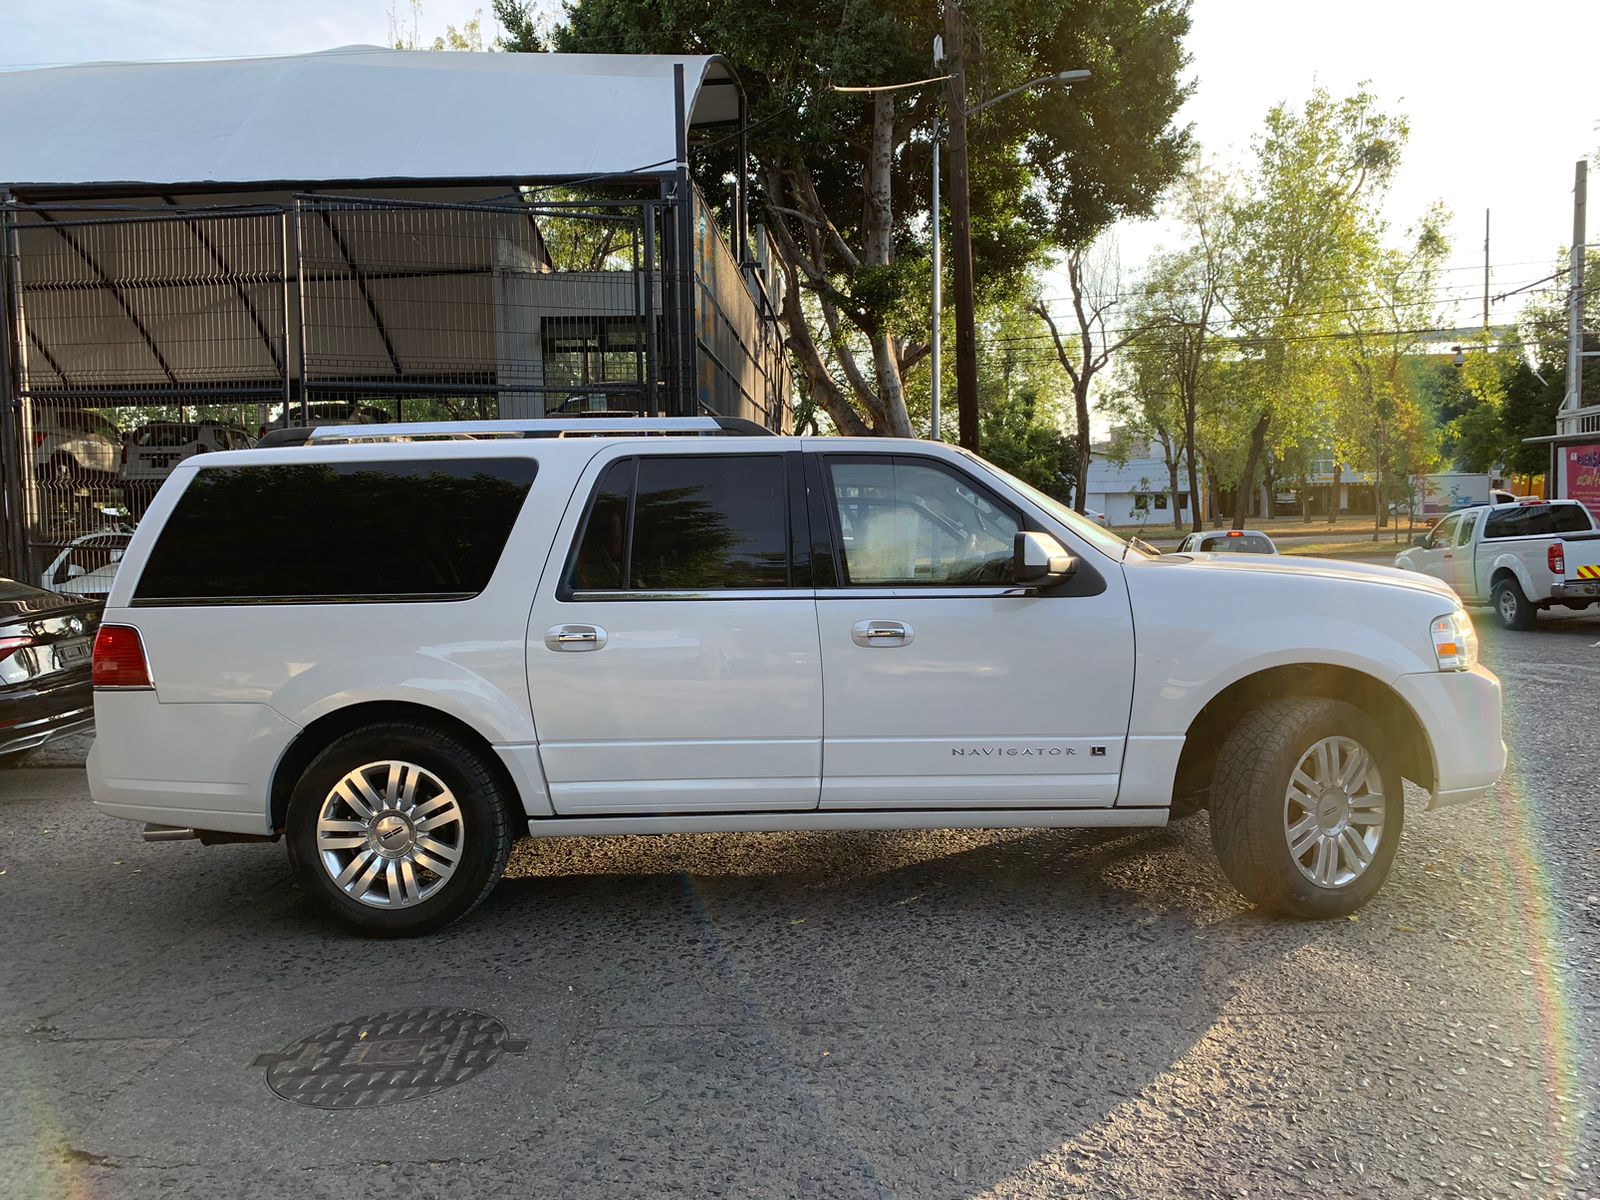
1333	812
390	834
1508	606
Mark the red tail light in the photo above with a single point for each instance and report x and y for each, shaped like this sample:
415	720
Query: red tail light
38	438
1556	556
119	660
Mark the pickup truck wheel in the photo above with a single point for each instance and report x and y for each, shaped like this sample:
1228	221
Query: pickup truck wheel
1512	607
1306	807
398	829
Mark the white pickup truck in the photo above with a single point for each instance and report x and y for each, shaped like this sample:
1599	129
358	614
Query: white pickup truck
1517	558
398	655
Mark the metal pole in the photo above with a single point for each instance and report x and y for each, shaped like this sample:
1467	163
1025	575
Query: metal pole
300	281
938	294
1580	189
1486	278
11	434
684	219
961	233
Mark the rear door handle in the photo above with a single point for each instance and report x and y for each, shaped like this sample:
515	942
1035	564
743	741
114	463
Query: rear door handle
881	633
574	637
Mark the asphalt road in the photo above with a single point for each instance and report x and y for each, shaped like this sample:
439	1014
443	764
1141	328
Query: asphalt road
1067	1013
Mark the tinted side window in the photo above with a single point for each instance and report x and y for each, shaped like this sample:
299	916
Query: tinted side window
1443	533
689	523
711	522
600	565
349	531
905	523
1465	528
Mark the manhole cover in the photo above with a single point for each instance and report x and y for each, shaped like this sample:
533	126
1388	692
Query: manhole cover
387	1057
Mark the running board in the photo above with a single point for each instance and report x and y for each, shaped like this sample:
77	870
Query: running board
792	822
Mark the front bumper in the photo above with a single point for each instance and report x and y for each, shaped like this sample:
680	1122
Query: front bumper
1460	714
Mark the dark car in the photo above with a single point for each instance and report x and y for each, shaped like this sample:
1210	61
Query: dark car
46	640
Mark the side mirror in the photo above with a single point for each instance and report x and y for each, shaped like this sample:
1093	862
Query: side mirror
1422	540
1040	561
75	571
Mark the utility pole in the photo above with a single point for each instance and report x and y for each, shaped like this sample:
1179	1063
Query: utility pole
1580	189
937	363
961	231
1486	279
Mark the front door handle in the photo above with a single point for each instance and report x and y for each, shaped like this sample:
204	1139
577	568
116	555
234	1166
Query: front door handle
575	637
881	633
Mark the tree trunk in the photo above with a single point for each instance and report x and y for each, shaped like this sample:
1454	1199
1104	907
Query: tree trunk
880	252
1196	486
1303	486
1247	483
1333	492
1377	499
1080	391
1172	494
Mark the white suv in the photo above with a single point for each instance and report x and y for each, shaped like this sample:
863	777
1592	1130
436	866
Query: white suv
399	654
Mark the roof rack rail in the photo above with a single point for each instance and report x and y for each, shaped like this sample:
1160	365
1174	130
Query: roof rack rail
548	427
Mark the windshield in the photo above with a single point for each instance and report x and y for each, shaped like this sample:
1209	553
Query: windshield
1099	537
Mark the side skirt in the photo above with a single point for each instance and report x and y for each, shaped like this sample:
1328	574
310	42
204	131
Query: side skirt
789	822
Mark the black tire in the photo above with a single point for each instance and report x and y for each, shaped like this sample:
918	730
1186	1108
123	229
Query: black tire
1248	806
1514	610
485	838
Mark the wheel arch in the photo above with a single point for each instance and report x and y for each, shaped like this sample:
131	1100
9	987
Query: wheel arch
1210	727
326	729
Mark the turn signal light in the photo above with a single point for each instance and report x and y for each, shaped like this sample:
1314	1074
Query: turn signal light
119	661
1455	642
1556	556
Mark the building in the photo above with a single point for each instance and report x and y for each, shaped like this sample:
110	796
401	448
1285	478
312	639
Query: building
1136	489
362	234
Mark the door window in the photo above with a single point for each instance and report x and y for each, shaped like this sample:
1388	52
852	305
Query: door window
1464	529
904	522
685	523
1443	533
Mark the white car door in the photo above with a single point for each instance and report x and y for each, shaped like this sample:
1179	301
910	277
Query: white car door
1433	557
1460	558
673	663
943	684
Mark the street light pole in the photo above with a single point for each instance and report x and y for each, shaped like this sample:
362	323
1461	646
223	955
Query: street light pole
937	354
961	233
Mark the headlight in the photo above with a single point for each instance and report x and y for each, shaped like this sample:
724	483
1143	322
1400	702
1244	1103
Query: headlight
1455	642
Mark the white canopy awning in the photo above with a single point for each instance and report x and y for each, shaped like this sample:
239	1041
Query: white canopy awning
351	115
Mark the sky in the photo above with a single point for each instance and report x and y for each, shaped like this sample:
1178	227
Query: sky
1500	107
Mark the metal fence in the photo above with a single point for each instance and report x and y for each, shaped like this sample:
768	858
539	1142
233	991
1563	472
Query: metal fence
134	336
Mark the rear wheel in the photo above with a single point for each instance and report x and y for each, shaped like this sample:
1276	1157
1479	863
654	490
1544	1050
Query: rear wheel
1511	606
1306	807
398	829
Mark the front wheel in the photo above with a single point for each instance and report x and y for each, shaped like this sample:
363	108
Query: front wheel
1511	606
398	829
1306	807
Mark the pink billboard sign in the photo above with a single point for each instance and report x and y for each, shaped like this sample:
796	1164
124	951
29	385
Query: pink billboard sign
1583	475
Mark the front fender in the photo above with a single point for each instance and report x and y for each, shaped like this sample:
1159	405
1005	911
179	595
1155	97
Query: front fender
1197	634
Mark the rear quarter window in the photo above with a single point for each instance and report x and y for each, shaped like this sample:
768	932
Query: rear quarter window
337	532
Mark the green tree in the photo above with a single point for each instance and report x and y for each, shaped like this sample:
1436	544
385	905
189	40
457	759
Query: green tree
1377	414
1305	232
842	179
1179	311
